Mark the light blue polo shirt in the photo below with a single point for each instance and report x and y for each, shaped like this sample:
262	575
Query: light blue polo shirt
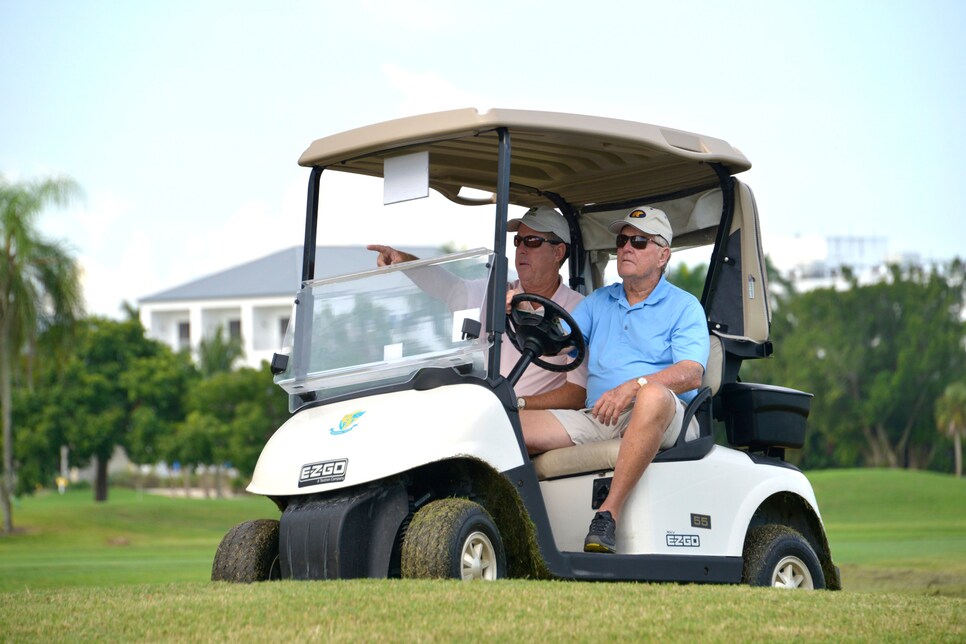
626	342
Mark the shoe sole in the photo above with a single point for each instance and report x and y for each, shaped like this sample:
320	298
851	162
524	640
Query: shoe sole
599	547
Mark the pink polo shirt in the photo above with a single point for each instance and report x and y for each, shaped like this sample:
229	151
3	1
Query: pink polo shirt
460	294
536	380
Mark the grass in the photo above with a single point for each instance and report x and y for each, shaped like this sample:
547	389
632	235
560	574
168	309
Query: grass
136	568
405	611
133	538
894	530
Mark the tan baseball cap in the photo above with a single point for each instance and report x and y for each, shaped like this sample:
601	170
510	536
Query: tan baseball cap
647	220
544	220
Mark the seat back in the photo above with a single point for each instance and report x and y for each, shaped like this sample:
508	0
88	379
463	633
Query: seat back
738	305
715	367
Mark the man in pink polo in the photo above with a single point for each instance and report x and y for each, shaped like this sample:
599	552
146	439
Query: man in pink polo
542	245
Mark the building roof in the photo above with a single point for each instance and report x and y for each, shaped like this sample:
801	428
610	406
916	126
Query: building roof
278	274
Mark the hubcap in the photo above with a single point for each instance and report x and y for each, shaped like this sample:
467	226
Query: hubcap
791	572
478	560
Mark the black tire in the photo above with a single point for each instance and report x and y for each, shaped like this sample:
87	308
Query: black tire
778	556
452	539
248	553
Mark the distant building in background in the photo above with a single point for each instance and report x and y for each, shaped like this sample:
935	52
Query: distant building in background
252	302
867	257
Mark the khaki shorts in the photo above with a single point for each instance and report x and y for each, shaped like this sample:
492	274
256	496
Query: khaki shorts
584	428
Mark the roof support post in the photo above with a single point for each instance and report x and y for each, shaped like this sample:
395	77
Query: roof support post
496	291
724	229
311	225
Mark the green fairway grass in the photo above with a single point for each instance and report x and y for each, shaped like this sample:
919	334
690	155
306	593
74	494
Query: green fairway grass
136	568
889	530
69	540
446	611
895	530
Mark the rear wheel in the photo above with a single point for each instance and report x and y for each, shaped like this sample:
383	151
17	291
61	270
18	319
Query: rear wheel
248	553
778	556
452	538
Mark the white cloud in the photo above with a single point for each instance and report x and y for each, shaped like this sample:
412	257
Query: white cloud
253	230
110	279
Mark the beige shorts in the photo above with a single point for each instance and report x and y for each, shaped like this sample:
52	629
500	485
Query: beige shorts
582	427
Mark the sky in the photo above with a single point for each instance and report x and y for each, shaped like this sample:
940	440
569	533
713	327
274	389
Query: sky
183	122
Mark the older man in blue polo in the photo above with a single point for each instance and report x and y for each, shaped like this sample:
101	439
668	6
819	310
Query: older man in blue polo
647	348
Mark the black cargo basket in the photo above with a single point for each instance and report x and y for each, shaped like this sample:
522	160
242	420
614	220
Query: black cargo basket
763	416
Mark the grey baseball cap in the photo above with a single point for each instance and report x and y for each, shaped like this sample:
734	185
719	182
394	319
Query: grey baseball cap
544	220
647	220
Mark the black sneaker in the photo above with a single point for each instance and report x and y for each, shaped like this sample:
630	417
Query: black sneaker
601	537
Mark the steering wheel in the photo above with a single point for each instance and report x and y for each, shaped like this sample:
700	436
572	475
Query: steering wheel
542	334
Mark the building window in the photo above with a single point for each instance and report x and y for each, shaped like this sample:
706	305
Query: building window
234	329
184	335
282	328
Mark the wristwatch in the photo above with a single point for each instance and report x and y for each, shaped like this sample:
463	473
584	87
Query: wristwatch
641	381
521	403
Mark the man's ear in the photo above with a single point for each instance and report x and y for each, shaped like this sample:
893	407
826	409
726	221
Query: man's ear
562	254
666	253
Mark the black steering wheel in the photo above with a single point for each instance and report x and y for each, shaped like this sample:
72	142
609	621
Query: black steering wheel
541	334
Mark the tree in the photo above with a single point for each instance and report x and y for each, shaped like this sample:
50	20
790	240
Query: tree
116	389
218	354
876	357
194	442
689	278
157	386
245	407
951	419
38	284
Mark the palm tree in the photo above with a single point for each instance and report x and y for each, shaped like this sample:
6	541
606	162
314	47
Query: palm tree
39	285
218	354
951	419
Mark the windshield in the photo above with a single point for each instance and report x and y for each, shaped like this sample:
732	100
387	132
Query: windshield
378	327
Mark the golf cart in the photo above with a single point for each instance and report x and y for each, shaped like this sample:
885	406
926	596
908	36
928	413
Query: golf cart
404	455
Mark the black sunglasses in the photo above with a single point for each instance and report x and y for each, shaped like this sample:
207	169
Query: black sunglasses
532	241
637	241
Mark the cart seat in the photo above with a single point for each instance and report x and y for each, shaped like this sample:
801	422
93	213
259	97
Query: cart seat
601	456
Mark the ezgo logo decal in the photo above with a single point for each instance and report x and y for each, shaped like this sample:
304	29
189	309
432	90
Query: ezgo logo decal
323	472
683	540
347	424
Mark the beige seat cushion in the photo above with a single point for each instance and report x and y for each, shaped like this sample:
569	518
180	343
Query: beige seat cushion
599	456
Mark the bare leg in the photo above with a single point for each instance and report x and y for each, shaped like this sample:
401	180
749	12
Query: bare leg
542	431
650	417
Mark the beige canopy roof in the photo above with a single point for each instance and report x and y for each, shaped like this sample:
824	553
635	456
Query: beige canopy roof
583	159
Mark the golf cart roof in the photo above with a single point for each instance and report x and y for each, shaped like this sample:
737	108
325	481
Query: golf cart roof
585	160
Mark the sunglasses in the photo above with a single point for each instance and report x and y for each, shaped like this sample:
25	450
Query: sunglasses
532	241
637	241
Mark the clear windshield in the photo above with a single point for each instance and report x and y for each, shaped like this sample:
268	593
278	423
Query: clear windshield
377	327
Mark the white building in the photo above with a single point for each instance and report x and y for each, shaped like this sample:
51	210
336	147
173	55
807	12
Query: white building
867	258
252	302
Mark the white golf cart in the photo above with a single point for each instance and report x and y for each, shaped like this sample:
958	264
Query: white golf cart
404	455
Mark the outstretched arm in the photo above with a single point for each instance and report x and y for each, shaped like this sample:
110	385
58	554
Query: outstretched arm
389	255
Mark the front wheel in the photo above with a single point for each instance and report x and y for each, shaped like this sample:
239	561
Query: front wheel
248	553
778	556
452	538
